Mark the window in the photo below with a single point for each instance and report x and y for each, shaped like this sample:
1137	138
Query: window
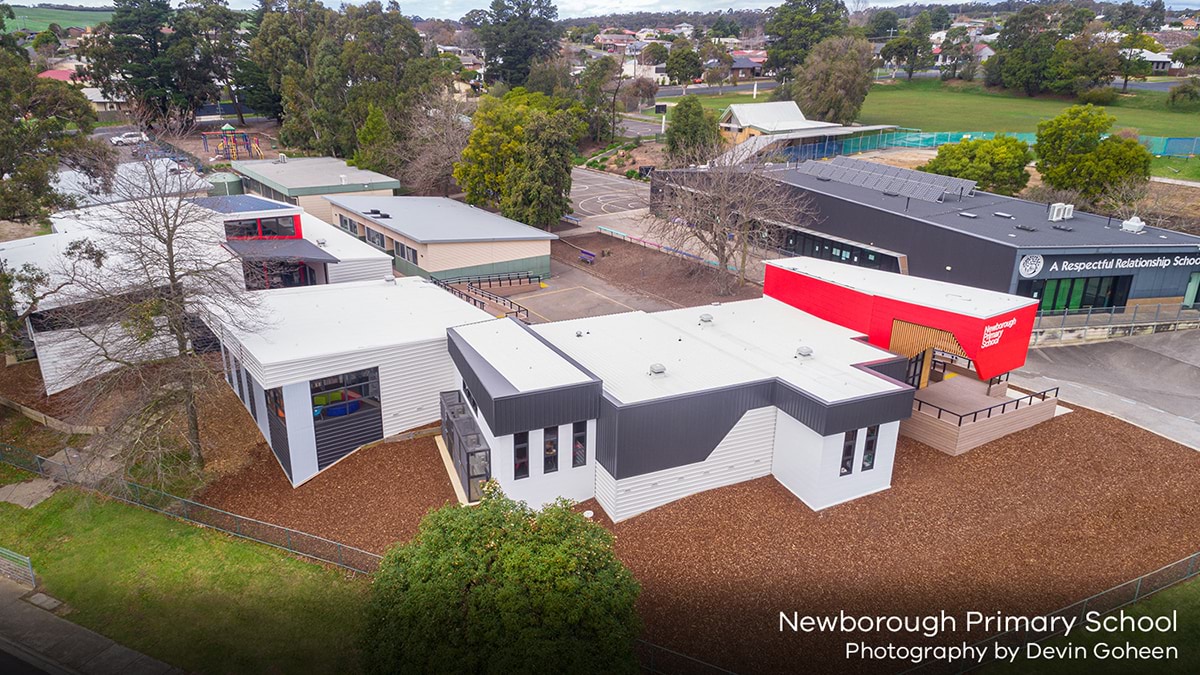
283	226
868	462
406	253
470	398
275	401
850	440
345	394
521	454
348	225
241	229
550	443
250	398
237	374
579	444
374	238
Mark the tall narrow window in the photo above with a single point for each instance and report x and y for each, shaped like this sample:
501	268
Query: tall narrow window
579	444
868	462
550	445
851	439
521	454
470	398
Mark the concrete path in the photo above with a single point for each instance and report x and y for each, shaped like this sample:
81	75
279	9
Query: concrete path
1150	380
28	494
572	293
55	645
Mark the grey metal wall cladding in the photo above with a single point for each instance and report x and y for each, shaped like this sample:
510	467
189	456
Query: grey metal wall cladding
834	418
546	408
338	436
606	434
279	442
484	381
895	369
671	432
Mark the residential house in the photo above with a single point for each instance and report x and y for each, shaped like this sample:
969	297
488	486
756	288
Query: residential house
684	29
1160	63
743	68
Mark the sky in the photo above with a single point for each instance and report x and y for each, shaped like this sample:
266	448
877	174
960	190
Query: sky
455	9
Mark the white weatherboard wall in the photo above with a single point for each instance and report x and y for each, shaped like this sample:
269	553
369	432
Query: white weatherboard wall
744	454
809	465
321	208
456	255
359	270
541	488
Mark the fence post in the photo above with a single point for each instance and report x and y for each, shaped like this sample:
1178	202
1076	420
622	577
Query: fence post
1157	309
1133	320
1137	591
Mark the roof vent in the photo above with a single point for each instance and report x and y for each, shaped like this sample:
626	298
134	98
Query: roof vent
824	179
1001	214
1025	228
389	279
967	214
282	158
1134	225
657	369
385	215
1060	211
578	333
706	319
321	243
804	352
343	178
372	212
1063	228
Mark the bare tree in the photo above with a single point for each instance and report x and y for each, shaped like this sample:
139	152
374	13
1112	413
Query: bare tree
135	296
724	212
859	11
438	133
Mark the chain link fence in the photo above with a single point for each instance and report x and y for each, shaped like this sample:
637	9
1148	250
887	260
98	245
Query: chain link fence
17	567
1165	146
294	541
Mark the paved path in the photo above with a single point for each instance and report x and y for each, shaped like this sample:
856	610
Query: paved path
1149	380
55	645
572	293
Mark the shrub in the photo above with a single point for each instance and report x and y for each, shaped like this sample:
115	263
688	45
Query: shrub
631	173
1185	91
1098	96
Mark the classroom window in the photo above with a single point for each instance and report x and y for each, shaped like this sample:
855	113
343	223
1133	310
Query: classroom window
868	461
241	229
345	394
375	238
521	454
579	444
406	253
550	447
283	226
348	225
275	402
848	443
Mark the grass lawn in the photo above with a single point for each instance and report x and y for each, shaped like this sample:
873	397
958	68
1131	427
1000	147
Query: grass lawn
10	474
1184	598
930	105
39	18
1176	167
197	599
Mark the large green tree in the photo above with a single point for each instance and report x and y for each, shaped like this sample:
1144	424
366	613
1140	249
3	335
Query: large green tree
912	51
502	588
654	54
8	43
598	84
883	23
693	135
797	26
252	84
997	165
834	80
47	127
537	190
1025	47
1086	61
684	64
515	34
1074	152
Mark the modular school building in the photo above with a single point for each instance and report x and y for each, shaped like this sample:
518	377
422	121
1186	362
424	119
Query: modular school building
941	228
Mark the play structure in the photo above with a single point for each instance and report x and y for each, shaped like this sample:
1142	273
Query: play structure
231	144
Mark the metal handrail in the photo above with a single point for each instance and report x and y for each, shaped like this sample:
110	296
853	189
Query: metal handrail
974	415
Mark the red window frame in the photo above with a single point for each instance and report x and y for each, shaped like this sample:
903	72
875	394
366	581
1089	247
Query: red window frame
258	223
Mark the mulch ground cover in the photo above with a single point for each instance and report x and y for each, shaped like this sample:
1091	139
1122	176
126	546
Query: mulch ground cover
1025	525
648	271
370	500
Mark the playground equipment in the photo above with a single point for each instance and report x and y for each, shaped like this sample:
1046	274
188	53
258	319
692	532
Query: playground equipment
231	144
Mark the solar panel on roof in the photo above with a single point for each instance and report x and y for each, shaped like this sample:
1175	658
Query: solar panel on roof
890	179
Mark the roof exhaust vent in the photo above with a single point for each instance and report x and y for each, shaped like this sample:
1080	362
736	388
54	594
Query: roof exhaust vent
657	369
1001	214
968	214
389	279
1060	211
1134	225
385	215
578	333
282	158
1063	228
804	352
1025	228
343	178
321	243
706	319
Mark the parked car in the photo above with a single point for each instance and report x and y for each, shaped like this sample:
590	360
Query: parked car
129	138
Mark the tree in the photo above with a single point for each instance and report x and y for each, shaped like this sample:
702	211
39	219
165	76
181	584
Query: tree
1184	91
956	49
683	65
515	34
376	144
538	189
49	126
654	54
1128	16
8	43
723	212
252	83
552	77
725	28
717	72
834	80
1075	19
439	132
693	136
500	587
598	85
997	165
940	18
1073	153
1188	55
798	25
1084	62
908	52
1155	16
1131	64
1025	47
639	91
45	44
883	23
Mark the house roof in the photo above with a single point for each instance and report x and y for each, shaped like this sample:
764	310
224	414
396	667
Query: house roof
773	117
955	298
60	75
517	355
744	62
437	220
1087	230
321	322
94	95
300	176
746	342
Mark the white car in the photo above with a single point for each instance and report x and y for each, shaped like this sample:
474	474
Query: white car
129	138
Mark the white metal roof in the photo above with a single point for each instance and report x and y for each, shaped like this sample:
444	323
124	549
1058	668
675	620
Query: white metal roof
431	220
773	116
522	359
748	341
299	173
336	243
943	295
315	322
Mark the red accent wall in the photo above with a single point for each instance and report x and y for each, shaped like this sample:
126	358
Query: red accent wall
997	344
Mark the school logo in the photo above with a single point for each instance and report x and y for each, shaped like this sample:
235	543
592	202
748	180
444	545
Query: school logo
1031	265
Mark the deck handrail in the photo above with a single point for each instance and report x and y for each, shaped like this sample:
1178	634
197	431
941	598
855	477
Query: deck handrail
974	415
